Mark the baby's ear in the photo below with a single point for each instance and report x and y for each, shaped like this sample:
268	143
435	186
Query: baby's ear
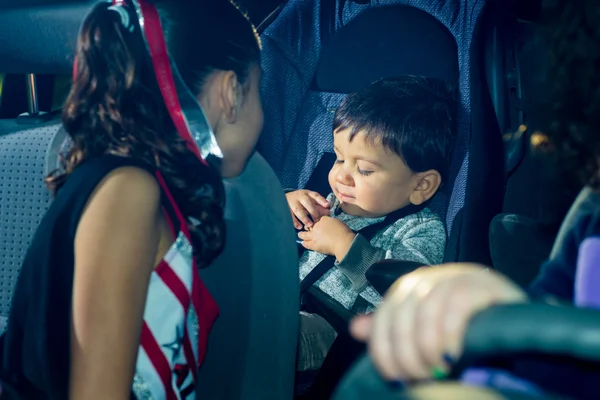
426	185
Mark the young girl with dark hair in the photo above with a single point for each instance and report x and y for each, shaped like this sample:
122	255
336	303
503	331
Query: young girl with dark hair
109	303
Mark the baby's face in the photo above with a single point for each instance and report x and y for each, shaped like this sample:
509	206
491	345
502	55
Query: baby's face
367	179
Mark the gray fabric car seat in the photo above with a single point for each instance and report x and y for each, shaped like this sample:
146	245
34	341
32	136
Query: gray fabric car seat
519	244
297	135
23	201
252	349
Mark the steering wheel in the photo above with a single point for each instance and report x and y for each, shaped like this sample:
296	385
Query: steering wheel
499	330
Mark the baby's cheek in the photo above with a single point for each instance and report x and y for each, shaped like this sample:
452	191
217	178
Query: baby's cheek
332	174
371	197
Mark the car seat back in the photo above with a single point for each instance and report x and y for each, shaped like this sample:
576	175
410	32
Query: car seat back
24	200
298	120
34	39
254	341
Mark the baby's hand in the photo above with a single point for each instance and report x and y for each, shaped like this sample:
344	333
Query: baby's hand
306	204
419	329
328	236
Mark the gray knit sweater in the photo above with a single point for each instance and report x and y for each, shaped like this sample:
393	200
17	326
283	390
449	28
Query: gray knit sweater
418	237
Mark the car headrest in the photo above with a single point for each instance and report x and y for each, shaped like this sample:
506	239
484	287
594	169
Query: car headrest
385	42
41	39
58	146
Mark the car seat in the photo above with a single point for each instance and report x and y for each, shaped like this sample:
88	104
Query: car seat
298	120
251	282
321	50
253	346
436	56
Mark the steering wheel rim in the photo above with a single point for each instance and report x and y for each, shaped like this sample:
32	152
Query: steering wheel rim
573	332
570	331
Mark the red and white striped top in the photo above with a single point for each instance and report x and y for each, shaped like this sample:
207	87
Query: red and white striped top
178	316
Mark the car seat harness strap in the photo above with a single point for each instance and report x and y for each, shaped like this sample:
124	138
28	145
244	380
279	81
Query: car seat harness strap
368	232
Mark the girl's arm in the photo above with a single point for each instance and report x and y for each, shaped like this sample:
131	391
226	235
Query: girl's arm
115	252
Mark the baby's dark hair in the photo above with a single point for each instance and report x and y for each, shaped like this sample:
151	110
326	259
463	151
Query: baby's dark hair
413	117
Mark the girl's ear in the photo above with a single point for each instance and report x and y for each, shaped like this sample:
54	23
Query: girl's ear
221	98
231	96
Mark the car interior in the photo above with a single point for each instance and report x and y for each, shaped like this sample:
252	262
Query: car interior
503	205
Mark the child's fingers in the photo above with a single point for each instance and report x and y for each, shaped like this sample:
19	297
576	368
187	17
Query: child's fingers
313	209
305	235
297	223
324	212
302	215
308	244
361	327
320	199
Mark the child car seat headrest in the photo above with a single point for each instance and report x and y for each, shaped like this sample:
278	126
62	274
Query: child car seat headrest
40	38
384	42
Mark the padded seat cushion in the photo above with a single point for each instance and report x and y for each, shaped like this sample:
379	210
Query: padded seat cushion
24	200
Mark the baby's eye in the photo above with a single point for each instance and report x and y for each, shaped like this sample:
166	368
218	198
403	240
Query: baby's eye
338	161
364	173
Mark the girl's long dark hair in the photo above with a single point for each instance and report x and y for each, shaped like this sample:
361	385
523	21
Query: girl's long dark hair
115	105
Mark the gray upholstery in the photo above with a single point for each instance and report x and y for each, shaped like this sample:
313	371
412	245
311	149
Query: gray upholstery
252	349
40	38
23	201
519	245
